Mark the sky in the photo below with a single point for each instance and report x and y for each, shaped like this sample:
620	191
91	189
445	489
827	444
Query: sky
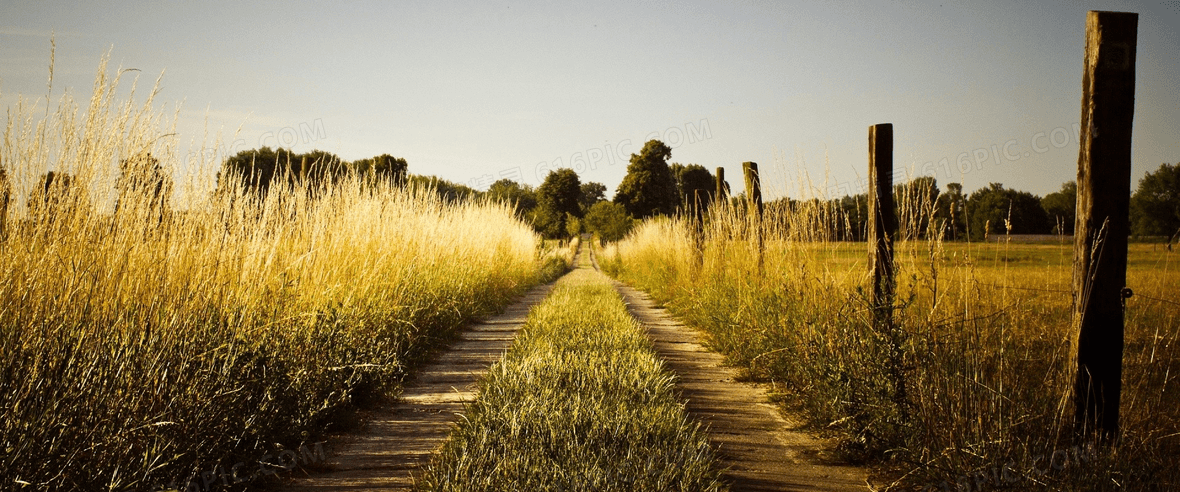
473	92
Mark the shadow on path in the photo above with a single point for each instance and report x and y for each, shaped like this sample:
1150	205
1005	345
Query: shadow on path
399	438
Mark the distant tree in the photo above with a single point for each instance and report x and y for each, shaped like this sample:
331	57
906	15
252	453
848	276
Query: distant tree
1155	206
547	222
383	168
648	188
323	168
143	189
592	193
55	197
994	209
609	221
254	169
855	212
950	212
522	197
914	203
1061	207
573	225
447	191
558	197
258	169
561	192
693	183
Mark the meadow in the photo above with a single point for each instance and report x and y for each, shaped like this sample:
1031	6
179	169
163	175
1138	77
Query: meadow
581	402
146	338
972	388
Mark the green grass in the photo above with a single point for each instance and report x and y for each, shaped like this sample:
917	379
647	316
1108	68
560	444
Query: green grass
579	403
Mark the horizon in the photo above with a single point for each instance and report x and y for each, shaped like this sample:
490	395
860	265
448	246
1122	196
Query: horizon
473	93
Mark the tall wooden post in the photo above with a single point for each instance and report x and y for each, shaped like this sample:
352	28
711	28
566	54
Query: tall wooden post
1101	228
882	230
754	205
882	221
722	194
698	227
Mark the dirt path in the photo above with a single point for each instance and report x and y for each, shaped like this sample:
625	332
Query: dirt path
760	449
400	438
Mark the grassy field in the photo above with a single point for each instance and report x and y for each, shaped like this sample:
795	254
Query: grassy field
143	347
580	402
972	389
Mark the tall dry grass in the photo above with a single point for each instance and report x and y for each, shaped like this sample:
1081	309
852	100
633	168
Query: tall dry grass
145	346
580	402
970	391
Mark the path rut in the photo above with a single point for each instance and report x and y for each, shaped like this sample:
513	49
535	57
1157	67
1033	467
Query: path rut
759	448
399	438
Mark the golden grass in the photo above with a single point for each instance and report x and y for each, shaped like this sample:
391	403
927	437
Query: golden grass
984	373
146	346
580	402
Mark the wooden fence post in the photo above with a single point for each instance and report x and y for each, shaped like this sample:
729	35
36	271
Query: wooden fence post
698	227
1102	226
754	205
882	221
722	194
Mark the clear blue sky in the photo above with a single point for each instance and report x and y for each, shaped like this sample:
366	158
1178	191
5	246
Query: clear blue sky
475	90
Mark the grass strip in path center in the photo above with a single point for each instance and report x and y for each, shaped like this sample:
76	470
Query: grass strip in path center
580	402
759	449
399	438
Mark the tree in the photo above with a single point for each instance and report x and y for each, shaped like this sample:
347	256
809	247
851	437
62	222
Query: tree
994	209
648	188
322	168
694	184
573	225
950	212
383	169
914	204
608	220
56	196
1155	206
258	169
144	189
547	222
592	193
521	197
447	191
1061	207
559	195
855	212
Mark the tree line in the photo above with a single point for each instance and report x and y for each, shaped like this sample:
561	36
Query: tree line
922	209
563	205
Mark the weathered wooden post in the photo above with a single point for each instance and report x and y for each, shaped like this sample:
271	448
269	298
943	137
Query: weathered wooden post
754	205
1101	228
698	227
882	221
722	194
882	230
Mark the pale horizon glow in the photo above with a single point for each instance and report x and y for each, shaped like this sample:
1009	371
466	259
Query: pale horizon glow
476	91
